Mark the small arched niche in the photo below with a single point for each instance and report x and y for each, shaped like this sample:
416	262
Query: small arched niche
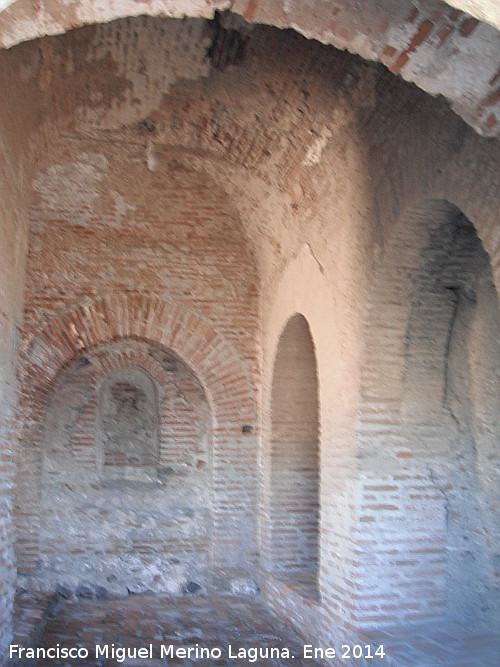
127	425
294	510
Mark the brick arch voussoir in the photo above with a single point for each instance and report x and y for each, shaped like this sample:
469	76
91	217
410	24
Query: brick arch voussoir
134	359
81	330
210	356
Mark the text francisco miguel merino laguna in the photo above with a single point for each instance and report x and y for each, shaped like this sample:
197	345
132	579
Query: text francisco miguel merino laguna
196	652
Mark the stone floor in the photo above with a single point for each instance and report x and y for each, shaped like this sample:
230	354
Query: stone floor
144	620
443	645
31	611
215	622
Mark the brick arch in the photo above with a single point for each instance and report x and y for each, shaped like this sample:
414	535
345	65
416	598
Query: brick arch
213	360
387	314
382	40
302	287
481	208
400	503
127	359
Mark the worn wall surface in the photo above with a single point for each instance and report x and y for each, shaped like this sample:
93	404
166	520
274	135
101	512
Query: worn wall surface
126	489
130	231
443	49
16	121
195	187
294	459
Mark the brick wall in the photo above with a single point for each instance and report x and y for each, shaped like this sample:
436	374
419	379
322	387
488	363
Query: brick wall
221	375
380	513
178	238
10	315
128	424
297	182
304	288
444	50
417	517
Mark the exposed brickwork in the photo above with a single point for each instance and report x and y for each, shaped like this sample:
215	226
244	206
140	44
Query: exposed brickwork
125	242
194	209
93	533
406	404
176	414
214	622
220	371
299	290
14	173
129	425
303	288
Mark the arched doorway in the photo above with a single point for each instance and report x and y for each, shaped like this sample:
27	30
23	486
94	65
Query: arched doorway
428	532
450	408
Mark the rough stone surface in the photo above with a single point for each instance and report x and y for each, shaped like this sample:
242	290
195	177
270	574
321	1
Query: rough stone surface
243	586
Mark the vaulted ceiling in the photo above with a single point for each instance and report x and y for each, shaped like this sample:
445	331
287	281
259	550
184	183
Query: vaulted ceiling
450	49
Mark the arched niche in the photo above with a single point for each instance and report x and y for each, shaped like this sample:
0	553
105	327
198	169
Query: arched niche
221	378
126	488
128	425
294	474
